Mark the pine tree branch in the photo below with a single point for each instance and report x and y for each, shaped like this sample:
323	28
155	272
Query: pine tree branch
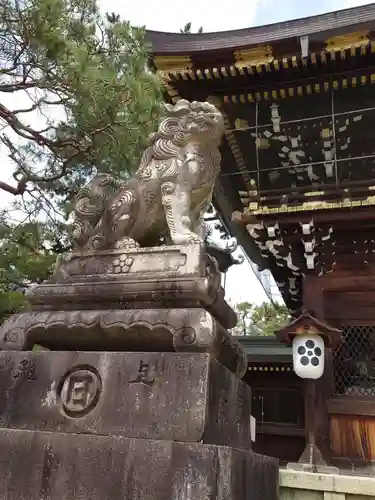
17	190
21	129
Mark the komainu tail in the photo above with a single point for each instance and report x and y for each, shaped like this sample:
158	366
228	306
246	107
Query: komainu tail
90	206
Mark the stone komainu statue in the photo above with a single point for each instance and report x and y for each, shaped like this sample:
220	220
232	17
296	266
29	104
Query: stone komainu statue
168	194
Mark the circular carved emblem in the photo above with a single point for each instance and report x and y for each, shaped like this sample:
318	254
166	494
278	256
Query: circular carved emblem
79	391
188	335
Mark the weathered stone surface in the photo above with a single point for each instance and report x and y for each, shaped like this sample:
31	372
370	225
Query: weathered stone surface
158	299
158	277
182	397
40	465
169	193
181	330
177	261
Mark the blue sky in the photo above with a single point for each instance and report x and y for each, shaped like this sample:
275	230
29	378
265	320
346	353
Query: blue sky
271	11
216	15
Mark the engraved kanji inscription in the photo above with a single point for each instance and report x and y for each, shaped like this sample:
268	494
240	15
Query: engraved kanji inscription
25	370
143	376
80	392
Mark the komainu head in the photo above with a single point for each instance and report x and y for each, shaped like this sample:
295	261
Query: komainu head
201	121
198	122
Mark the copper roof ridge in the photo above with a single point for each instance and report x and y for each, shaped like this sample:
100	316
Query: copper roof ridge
164	42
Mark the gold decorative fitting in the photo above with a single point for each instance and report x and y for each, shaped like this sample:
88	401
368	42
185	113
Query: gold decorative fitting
262	143
172	92
253	57
313	193
255	209
241	124
347	42
173	64
253	206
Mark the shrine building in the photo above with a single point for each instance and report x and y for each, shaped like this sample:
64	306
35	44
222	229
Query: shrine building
297	189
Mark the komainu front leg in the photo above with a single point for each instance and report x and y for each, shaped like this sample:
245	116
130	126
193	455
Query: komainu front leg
176	204
200	226
124	215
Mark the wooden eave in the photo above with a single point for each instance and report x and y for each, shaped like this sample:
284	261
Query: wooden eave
262	49
236	69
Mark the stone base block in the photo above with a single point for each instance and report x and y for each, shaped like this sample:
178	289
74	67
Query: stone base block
163	396
180	330
40	465
139	278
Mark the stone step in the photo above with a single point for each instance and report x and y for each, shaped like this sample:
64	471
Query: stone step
38	465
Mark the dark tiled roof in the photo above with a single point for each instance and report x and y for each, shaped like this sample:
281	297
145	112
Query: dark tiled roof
339	21
266	346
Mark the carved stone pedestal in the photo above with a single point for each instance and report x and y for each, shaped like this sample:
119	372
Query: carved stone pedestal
170	423
150	426
151	299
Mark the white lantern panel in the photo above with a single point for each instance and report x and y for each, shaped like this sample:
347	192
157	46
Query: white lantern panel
308	356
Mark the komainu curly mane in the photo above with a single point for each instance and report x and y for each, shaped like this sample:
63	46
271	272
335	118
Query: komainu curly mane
168	194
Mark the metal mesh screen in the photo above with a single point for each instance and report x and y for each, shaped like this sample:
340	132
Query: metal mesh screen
354	362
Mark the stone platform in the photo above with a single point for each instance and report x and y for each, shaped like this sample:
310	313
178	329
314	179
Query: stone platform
106	425
167	420
42	465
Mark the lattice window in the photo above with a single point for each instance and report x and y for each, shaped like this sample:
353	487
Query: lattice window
354	362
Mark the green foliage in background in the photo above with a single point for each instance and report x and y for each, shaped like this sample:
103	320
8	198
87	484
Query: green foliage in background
76	98
264	319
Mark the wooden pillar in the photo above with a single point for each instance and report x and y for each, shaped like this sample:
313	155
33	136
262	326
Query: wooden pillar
313	301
